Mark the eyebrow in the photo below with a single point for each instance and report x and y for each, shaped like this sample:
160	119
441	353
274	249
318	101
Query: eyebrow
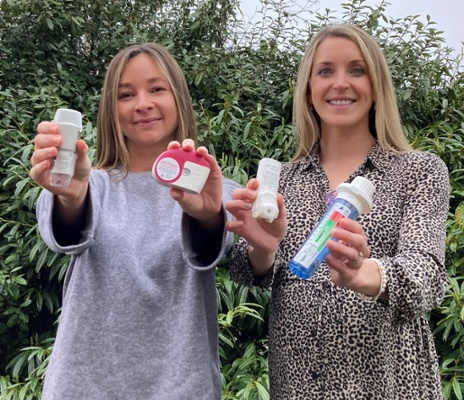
151	80
357	61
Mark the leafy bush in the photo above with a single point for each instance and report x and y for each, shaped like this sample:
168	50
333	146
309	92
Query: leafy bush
241	76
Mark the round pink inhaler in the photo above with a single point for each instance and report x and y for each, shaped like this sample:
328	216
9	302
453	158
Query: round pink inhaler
181	169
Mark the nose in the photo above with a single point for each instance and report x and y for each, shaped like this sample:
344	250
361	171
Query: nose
341	81
143	102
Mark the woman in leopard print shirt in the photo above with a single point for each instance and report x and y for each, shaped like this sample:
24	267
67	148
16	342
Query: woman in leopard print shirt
357	328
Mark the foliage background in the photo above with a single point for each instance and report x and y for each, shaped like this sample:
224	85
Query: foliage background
54	53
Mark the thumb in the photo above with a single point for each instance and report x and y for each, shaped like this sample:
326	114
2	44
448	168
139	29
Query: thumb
83	163
81	150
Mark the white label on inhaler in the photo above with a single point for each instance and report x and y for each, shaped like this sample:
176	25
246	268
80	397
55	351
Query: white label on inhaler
168	169
64	162
193	177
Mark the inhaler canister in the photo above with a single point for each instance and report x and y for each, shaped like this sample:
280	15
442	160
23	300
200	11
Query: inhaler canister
69	125
265	205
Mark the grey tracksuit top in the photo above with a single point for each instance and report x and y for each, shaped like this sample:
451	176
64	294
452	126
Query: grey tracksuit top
139	316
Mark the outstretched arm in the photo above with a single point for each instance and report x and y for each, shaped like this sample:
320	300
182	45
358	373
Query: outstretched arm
70	203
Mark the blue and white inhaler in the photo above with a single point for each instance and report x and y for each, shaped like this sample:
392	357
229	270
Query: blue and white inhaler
352	199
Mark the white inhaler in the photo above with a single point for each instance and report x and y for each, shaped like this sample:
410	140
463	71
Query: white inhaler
69	125
265	205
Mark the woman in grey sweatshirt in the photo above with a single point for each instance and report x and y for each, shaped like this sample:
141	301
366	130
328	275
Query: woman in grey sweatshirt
139	315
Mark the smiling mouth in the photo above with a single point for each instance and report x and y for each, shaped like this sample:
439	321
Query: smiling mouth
147	121
341	102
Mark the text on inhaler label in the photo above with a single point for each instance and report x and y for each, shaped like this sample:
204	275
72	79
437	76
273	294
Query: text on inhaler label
168	169
321	234
64	162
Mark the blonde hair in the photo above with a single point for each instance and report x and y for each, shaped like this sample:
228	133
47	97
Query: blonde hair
384	118
112	151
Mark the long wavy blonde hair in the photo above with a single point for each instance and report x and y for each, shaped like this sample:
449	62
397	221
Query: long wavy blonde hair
112	151
384	118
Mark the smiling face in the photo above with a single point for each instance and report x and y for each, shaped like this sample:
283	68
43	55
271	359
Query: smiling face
147	109
341	89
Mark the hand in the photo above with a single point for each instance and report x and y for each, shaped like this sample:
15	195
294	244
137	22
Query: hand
262	236
348	254
46	144
205	206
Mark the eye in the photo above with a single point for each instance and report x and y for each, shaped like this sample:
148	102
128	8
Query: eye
325	71
124	95
156	89
357	71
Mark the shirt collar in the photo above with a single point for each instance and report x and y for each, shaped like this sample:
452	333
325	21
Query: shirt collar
380	158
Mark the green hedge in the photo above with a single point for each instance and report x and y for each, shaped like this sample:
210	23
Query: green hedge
54	53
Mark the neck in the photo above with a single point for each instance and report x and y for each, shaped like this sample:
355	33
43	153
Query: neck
142	159
341	154
338	145
139	163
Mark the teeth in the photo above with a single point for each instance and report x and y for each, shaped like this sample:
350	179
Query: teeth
341	102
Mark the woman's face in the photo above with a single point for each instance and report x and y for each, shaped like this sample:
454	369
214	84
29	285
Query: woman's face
147	109
341	89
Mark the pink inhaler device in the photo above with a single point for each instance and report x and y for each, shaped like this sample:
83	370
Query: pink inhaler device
181	169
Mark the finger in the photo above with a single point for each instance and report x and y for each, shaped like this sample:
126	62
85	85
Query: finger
41	155
81	149
174	145
40	171
188	144
244	194
234	206
234	226
281	204
350	225
47	128
357	239
203	151
344	253
211	160
364	251
177	194
253	184
335	262
341	273
43	140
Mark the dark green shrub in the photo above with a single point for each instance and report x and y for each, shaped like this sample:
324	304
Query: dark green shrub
242	79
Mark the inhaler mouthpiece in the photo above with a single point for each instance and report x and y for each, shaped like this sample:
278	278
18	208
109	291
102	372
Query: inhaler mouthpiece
68	116
265	207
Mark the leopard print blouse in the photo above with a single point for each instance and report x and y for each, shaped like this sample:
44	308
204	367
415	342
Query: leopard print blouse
328	342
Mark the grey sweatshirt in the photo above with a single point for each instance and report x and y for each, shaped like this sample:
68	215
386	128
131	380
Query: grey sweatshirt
139	316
